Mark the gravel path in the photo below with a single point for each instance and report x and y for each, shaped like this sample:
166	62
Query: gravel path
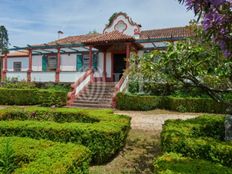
153	120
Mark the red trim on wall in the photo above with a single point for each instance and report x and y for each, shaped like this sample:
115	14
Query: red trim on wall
128	49
4	70
112	67
58	65
123	23
29	65
104	67
90	56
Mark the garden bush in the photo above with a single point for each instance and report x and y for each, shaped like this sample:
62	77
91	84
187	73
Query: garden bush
200	138
138	102
100	130
27	156
171	163
32	97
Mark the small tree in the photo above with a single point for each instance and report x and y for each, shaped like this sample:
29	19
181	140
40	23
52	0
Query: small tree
4	41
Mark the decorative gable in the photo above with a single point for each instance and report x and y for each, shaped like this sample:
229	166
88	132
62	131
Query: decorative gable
123	24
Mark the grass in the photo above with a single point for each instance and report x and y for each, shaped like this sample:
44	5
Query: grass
136	157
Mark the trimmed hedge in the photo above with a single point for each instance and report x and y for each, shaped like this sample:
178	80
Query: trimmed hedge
42	156
103	132
171	163
200	138
32	97
136	102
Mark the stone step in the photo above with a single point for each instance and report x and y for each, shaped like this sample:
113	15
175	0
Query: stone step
94	95
87	105
91	102
93	99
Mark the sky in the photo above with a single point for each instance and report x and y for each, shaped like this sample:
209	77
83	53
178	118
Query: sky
37	21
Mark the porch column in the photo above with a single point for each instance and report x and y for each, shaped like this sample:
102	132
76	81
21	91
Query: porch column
104	67
128	48
90	57
58	66
29	65
4	67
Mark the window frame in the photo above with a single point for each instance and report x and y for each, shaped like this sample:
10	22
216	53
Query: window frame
49	68
20	68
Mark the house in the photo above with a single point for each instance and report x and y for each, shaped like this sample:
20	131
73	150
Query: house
92	57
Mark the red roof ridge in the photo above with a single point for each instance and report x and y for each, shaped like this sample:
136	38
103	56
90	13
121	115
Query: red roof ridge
111	36
168	28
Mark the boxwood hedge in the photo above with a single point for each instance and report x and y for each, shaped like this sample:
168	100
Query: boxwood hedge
27	156
103	132
43	97
138	102
171	163
200	138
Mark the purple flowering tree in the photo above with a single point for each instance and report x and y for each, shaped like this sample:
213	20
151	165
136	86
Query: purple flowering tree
216	16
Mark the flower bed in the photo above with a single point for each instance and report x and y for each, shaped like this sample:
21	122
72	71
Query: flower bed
26	156
103	132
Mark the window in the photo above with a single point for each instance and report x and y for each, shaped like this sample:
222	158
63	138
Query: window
51	63
17	66
85	61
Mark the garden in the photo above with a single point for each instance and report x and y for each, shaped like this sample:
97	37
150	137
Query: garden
194	76
61	140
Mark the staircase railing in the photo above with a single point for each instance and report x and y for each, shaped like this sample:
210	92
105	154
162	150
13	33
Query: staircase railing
120	87
80	85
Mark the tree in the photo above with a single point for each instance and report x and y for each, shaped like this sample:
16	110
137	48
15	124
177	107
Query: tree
196	61
216	18
4	41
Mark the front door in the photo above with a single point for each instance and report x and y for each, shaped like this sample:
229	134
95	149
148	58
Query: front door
119	66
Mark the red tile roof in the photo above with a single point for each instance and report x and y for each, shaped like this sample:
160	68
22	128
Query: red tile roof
109	37
167	33
73	39
23	53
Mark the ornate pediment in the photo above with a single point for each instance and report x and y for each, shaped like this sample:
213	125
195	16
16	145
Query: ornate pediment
123	23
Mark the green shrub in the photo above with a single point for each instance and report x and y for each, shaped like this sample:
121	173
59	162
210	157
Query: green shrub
100	130
32	97
193	105
18	85
41	156
177	164
134	102
198	138
137	102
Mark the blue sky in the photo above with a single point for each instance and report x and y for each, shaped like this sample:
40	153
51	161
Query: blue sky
37	21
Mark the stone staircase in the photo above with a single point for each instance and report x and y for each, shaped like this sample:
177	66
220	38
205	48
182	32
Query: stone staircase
96	95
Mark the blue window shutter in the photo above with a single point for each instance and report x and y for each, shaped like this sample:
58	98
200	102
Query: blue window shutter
95	60
44	63
79	62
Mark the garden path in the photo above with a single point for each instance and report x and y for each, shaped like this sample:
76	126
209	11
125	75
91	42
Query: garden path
143	143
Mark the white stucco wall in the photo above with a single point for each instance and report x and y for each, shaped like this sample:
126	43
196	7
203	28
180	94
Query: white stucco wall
70	76
68	62
43	76
108	64
100	65
37	63
20	76
130	30
23	60
140	53
83	84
